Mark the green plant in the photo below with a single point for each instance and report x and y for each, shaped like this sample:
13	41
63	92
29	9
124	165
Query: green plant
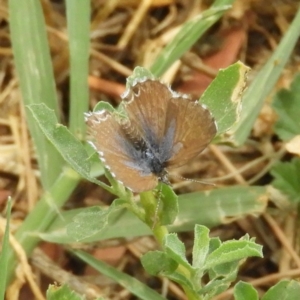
209	256
57	144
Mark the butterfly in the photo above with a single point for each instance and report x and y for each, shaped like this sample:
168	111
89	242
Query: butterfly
161	130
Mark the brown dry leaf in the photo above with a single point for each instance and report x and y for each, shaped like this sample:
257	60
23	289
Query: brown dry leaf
107	87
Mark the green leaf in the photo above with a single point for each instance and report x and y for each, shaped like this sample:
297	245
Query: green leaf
223	96
139	74
227	270
102	105
94	161
68	146
170	205
287	106
201	246
176	250
158	263
245	291
221	276
283	290
231	251
131	284
214	288
62	293
214	243
287	178
182	280
161	202
88	223
4	252
73	151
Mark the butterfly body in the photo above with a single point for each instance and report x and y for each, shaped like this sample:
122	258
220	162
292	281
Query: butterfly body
161	130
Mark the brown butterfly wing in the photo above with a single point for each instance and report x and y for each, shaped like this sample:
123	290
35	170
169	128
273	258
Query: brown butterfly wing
191	128
118	153
146	106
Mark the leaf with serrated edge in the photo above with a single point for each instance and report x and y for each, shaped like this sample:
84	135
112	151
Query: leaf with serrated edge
231	251
176	249
139	74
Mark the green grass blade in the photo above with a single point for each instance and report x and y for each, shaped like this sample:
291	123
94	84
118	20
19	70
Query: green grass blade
264	82
34	69
78	18
188	35
131	284
4	253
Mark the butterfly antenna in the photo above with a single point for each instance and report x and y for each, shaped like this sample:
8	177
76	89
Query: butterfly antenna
194	180
157	206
